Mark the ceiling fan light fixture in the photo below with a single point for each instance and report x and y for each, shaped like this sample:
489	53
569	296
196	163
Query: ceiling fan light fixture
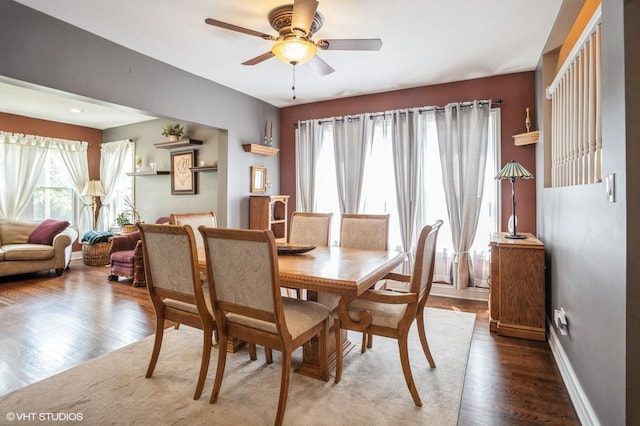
294	50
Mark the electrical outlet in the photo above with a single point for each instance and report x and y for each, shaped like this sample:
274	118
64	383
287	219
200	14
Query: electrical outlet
560	318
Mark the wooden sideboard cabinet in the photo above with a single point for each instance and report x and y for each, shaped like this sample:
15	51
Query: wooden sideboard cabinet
269	212
517	290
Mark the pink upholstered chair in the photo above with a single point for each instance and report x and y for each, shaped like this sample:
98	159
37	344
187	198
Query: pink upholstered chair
126	256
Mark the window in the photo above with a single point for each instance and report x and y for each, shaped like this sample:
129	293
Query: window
54	196
379	195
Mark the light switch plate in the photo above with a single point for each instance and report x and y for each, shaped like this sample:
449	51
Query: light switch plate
610	187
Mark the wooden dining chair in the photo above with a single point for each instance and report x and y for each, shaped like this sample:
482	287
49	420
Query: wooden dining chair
176	291
364	231
368	232
242	267
310	229
390	314
195	220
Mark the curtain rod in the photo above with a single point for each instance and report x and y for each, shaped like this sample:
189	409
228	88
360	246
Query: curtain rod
494	104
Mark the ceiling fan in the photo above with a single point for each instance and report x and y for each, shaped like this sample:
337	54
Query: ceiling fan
295	25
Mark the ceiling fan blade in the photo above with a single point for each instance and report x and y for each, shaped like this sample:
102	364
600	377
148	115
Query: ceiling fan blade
350	44
320	66
242	30
259	59
303	13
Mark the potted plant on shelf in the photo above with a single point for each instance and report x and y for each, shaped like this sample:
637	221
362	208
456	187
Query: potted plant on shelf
127	218
173	131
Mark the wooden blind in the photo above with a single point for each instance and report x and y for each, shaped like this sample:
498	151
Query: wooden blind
576	112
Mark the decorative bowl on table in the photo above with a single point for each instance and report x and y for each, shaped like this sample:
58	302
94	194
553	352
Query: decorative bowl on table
289	249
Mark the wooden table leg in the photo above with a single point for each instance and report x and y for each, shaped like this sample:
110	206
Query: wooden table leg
311	351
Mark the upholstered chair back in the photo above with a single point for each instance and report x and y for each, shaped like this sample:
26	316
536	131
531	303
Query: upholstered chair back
167	250
244	271
364	231
422	276
310	229
195	220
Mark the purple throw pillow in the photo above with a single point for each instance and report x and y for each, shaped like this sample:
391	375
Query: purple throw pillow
45	232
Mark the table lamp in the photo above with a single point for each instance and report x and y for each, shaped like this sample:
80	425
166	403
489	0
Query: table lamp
93	188
514	171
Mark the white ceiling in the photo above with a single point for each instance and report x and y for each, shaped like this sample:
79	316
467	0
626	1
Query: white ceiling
424	42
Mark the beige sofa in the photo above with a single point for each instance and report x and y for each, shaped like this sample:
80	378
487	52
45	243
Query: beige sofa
18	256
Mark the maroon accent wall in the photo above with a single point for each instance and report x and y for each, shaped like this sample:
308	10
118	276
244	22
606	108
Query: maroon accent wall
517	92
33	126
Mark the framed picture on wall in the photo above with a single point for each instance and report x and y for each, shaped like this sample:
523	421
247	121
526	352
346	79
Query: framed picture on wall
258	179
182	178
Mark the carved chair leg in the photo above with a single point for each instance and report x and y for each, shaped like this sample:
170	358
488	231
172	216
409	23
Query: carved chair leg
157	343
204	364
406	368
222	360
423	337
284	386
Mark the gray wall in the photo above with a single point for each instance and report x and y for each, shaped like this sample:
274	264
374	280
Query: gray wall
590	269
154	192
53	54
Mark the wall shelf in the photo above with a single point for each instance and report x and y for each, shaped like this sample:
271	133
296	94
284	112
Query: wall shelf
204	169
177	144
260	149
526	138
150	173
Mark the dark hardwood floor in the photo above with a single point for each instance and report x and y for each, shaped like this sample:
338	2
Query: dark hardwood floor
49	324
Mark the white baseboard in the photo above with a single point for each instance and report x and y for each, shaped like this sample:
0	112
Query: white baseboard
467	293
581	403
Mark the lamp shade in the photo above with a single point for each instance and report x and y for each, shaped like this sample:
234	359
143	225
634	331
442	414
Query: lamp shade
294	50
93	188
514	171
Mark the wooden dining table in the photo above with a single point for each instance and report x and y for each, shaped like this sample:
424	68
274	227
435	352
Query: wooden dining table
344	272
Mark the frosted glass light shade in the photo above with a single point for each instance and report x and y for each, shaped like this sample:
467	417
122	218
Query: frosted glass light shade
294	50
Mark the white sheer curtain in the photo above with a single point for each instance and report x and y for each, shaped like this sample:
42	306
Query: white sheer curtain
74	155
112	157
352	138
463	142
407	132
308	139
23	158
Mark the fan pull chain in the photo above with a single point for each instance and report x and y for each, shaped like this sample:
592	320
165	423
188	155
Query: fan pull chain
293	86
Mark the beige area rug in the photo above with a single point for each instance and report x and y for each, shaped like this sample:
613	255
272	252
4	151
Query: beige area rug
112	389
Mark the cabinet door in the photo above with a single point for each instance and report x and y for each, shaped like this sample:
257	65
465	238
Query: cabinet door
522	293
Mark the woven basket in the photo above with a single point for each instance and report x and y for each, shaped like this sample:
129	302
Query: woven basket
96	254
127	229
